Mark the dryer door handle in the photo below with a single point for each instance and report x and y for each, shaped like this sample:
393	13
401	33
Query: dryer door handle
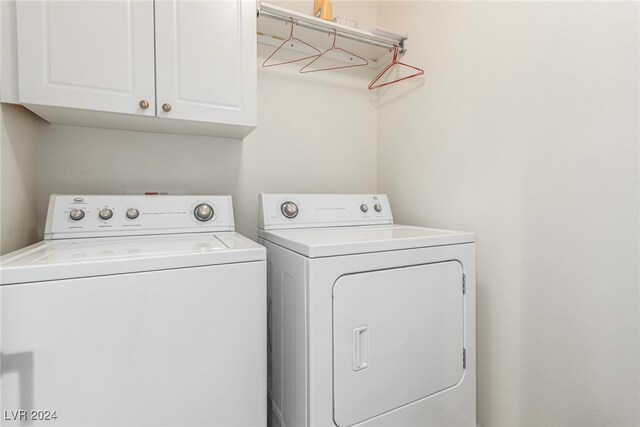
360	348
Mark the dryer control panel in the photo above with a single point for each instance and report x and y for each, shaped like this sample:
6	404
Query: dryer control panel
278	211
78	216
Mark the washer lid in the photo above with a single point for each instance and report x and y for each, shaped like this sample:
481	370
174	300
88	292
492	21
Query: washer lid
68	259
333	241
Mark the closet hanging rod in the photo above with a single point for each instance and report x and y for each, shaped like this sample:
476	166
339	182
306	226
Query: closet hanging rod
328	27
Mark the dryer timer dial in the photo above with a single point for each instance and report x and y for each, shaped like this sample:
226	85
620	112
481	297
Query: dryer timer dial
289	209
203	212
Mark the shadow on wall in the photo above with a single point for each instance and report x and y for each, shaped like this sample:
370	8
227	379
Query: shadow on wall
18	192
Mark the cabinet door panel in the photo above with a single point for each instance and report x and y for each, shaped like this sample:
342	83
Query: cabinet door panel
206	60
96	55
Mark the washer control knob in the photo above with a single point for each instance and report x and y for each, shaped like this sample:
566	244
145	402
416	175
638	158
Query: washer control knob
289	209
76	214
105	213
364	207
203	212
133	213
377	207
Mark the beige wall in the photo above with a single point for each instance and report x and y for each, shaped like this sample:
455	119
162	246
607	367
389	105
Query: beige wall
18	182
303	143
525	130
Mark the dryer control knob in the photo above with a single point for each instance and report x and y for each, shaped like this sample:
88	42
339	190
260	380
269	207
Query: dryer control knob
364	207
76	214
377	207
105	214
289	209
203	212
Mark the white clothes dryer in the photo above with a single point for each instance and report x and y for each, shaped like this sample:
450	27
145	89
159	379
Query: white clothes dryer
370	323
135	311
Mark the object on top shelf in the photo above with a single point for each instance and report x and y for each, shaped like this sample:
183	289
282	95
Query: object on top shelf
345	20
369	45
374	83
296	45
361	63
322	9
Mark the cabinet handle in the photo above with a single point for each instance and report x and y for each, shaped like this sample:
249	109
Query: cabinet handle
144	104
166	108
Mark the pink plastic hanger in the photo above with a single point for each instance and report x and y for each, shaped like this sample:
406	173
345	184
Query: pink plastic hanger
394	61
333	47
291	38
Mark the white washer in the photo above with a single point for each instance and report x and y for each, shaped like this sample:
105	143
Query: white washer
370	323
137	311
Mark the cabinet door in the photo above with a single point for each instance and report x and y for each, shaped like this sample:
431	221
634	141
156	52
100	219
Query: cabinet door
93	55
206	60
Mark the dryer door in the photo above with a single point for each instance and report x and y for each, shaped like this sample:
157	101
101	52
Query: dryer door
398	337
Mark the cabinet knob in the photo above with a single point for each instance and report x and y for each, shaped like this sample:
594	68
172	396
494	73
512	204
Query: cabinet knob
144	104
166	108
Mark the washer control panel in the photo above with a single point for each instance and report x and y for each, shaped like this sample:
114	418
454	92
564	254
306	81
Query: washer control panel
277	211
77	216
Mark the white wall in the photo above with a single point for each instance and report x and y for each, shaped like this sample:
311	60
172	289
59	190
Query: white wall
525	130
18	183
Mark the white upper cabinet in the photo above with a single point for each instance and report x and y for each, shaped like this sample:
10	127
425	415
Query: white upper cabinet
90	55
175	66
206	60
